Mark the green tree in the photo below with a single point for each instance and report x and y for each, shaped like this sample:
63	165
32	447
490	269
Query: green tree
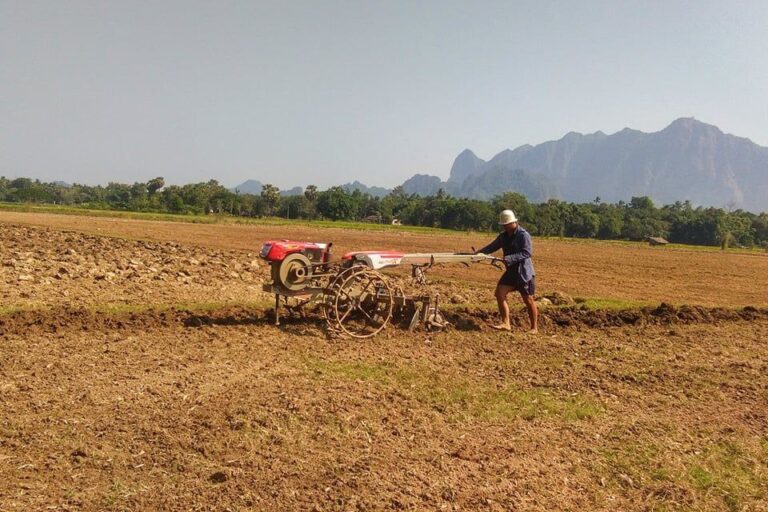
611	221
582	222
760	228
516	202
155	184
550	218
270	194
336	204
311	193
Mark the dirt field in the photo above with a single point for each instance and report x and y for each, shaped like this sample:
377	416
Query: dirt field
628	272
139	370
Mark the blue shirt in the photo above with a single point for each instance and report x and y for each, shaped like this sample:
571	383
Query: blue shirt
517	249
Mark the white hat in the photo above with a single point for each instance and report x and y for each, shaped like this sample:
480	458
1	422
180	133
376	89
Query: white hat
507	217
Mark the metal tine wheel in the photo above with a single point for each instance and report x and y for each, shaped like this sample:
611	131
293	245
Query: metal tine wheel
362	304
330	292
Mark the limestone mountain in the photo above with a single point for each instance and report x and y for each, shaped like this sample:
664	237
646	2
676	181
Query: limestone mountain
422	185
687	160
373	191
466	164
249	187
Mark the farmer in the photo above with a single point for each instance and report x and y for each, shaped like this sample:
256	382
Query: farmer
515	243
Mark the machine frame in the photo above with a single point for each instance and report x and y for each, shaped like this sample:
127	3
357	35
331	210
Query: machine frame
357	299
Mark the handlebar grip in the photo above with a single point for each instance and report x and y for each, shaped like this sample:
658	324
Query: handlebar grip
499	263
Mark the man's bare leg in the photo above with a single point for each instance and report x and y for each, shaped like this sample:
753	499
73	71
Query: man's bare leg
501	299
533	312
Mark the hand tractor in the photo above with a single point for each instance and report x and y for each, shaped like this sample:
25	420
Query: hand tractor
356	298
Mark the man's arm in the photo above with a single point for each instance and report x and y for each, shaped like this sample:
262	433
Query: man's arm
491	247
525	251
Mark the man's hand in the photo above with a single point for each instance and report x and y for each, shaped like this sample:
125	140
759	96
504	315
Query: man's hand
499	263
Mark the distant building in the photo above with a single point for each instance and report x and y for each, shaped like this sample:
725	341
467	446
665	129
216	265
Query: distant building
657	240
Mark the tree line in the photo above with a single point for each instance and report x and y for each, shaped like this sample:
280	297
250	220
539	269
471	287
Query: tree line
637	219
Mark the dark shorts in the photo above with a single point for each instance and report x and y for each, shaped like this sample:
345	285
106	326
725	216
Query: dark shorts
511	278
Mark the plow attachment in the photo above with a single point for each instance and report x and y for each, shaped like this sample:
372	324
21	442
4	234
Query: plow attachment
357	300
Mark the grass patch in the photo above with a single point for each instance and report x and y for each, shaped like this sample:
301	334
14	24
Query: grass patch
117	492
609	303
700	477
119	214
216	219
459	397
726	470
725	476
120	308
482	306
12	309
715	248
124	308
636	460
635	243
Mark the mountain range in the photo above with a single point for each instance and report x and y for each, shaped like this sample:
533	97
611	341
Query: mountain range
687	160
254	187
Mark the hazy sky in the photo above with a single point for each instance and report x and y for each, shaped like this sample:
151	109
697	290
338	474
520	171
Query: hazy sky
325	92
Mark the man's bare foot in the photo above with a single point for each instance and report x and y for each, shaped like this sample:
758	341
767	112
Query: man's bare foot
533	331
502	327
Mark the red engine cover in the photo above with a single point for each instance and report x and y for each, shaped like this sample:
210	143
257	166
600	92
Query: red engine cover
277	250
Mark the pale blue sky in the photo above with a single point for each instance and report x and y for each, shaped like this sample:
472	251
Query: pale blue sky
294	92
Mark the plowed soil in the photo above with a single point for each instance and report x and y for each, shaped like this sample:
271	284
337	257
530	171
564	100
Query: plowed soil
141	371
632	272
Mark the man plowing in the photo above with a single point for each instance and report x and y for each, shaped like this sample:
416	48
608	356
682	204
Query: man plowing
358	300
515	243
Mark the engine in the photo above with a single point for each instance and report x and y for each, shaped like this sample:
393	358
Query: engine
276	251
292	263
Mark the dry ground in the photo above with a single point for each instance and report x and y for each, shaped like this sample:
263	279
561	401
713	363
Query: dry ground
108	405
